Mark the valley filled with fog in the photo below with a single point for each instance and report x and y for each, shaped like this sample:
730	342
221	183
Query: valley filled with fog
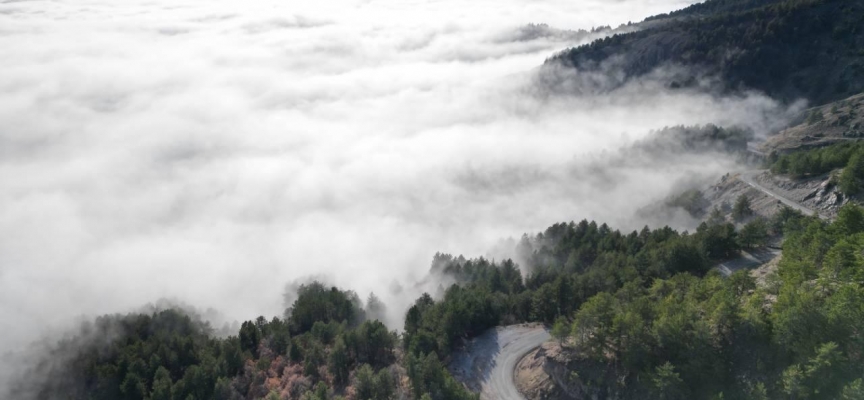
211	152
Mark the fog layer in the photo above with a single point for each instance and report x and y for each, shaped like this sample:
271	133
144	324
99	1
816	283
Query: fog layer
211	151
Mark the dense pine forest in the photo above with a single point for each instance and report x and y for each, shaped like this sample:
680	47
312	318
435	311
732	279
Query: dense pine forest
799	336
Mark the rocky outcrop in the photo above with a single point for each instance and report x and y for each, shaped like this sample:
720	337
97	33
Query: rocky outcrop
574	377
816	193
531	379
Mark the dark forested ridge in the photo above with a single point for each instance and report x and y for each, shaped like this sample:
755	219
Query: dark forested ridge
709	8
790	49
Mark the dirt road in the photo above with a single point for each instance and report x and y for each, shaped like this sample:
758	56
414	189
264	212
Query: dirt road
749	178
487	365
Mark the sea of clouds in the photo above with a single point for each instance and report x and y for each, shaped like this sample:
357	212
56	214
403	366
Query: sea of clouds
213	151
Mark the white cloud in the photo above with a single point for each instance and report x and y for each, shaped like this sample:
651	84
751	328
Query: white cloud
212	151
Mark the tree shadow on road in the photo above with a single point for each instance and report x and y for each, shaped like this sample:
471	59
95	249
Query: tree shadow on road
748	259
474	364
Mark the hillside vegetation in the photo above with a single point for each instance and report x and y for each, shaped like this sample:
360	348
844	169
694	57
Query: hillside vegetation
328	344
690	338
644	303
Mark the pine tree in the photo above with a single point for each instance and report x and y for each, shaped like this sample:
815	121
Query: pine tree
560	330
742	209
338	362
753	234
850	178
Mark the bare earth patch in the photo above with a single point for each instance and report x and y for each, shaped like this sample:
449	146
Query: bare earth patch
532	381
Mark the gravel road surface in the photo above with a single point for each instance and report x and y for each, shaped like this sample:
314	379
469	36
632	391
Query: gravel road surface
487	365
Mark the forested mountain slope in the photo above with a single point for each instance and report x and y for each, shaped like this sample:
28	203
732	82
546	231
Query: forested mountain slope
789	49
797	337
641	305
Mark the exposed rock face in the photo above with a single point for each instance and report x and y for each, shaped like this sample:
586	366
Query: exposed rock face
826	197
531	379
559	373
577	378
817	193
726	191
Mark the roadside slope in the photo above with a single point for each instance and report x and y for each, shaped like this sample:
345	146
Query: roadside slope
749	178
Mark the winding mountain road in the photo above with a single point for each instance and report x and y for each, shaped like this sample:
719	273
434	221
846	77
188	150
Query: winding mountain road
749	178
487	365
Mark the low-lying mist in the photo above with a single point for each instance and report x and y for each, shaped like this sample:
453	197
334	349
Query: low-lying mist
212	152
